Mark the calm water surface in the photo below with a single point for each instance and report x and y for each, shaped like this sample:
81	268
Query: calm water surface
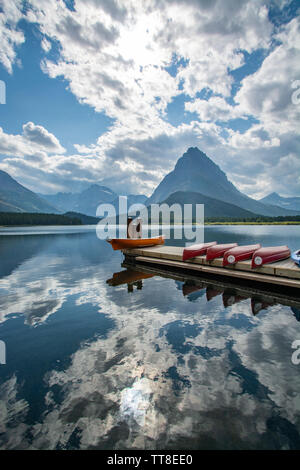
149	365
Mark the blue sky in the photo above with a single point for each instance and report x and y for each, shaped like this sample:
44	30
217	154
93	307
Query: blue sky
113	92
33	96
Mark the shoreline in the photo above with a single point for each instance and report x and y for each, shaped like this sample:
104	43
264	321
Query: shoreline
292	222
253	223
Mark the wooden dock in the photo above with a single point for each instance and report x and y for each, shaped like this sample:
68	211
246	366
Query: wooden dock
260	296
282	274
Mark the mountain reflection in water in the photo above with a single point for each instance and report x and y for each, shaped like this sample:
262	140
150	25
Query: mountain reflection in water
173	364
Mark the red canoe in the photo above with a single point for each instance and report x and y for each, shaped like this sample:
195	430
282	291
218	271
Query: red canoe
189	289
258	305
196	250
217	251
269	254
230	299
239	253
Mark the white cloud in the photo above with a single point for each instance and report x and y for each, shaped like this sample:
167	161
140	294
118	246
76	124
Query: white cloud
10	36
254	138
46	45
34	140
214	109
267	94
119	68
212	41
41	137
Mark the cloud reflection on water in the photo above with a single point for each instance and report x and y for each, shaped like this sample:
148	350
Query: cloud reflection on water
172	372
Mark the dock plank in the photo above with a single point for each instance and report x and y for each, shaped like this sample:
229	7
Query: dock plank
287	272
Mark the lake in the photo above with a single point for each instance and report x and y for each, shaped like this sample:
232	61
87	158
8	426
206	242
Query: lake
157	363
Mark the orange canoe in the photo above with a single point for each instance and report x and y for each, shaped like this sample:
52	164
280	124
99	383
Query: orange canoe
129	243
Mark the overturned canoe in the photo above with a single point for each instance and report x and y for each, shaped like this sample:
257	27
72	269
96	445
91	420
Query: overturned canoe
129	243
269	254
239	253
191	288
212	292
231	299
258	305
196	250
296	257
217	251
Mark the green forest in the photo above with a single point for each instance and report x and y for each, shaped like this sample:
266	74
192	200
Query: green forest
24	218
281	220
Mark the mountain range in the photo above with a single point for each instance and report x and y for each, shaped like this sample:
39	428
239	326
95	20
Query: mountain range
88	200
195	179
195	172
292	203
85	202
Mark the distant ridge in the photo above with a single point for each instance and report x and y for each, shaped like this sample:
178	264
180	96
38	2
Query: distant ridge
85	202
274	199
16	198
88	200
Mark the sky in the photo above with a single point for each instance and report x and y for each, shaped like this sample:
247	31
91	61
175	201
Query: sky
115	91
